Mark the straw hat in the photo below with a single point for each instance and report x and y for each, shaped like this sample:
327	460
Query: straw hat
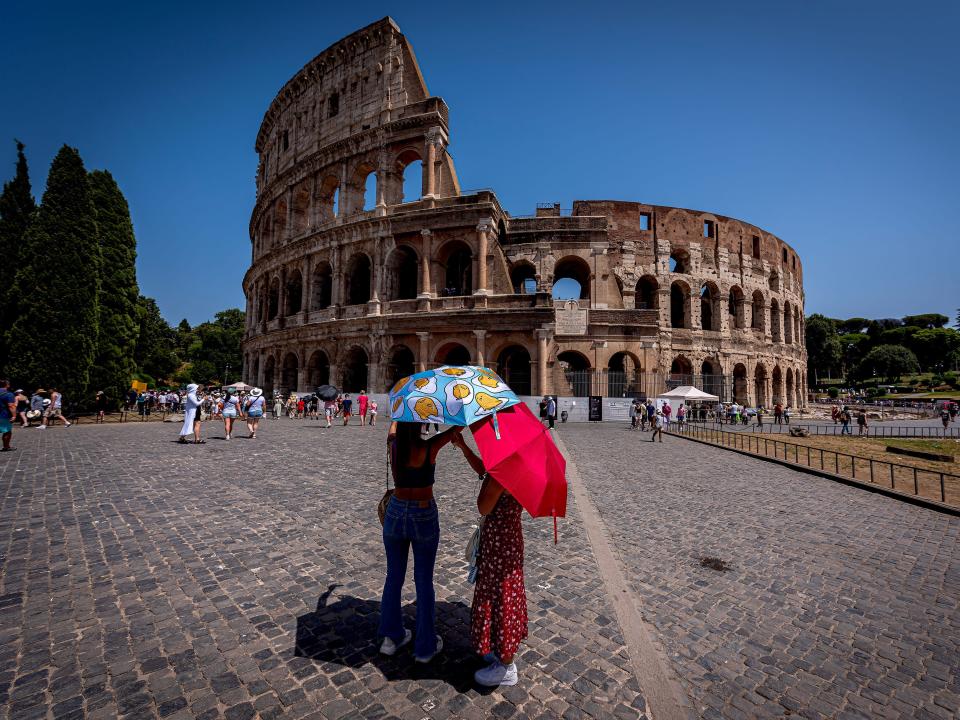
256	392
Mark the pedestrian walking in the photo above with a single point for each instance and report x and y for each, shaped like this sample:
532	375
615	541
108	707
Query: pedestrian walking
363	403
54	410
23	405
347	408
862	424
229	407
100	405
944	417
634	422
255	406
543	410
329	410
192	417
498	616
760	417
657	425
410	521
845	421
551	412
8	411
778	414
373	412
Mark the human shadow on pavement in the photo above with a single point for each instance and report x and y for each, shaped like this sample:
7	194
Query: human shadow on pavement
345	633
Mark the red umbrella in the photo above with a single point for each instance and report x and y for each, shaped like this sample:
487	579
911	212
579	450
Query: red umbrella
525	461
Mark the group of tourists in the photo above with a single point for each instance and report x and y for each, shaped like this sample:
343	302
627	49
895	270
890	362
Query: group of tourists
43	406
341	408
498	618
230	406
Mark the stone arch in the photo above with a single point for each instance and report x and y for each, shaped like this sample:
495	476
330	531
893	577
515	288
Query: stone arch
269	375
574	268
775	320
679	304
322	286
523	277
800	385
294	293
301	210
266	234
364	186
740	384
273	299
280	222
760	384
513	365
623	373
790	388
680	261
255	376
711	374
710	306
358	279
777	384
328	198
353	370
648	292
757	311
318	369
402	274
408	168
577	372
289	370
787	323
452	353
402	364
773	281
735	307
681	371
456	259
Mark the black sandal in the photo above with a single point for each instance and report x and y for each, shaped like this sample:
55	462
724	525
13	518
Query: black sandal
199	442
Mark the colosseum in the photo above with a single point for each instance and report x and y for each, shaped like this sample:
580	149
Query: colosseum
355	282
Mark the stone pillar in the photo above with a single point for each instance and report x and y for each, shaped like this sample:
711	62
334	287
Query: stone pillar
289	228
483	230
337	279
425	258
373	307
312	212
481	336
430	158
282	300
422	352
542	336
306	286
344	196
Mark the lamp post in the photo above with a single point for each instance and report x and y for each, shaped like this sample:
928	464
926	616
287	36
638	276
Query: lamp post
226	375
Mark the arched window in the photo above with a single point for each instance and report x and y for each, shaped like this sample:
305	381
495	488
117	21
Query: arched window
711	374
457	262
288	376
353	374
409	168
680	261
647	291
760	385
775	321
280	223
453	354
358	280
269	373
709	317
576	370
322	286
571	279
681	371
777	385
301	210
623	374
402	364
402	274
787	323
273	299
789	400
735	307
679	305
774	281
328	198
513	365
294	293
757	311
523	277
740	384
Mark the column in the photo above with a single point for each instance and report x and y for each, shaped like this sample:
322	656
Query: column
282	301
373	307
424	349
542	350
344	198
306	287
425	256
337	279
430	158
483	230
289	229
382	183
312	212
481	336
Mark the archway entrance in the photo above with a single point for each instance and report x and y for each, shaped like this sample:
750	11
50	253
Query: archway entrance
358	280
269	371
623	370
453	354
681	372
712	378
402	274
458	270
513	365
288	376
760	385
354	373
571	279
740	384
576	370
318	369
646	297
777	385
402	364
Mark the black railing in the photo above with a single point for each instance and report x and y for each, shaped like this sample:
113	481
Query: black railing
907	479
875	430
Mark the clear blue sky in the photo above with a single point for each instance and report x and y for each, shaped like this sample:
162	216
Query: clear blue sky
830	123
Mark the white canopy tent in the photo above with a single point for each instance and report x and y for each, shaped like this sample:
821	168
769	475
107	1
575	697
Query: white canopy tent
239	386
685	394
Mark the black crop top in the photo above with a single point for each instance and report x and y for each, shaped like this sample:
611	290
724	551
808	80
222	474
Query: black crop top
409	477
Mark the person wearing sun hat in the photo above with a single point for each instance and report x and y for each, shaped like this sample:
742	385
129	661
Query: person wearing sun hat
255	408
191	417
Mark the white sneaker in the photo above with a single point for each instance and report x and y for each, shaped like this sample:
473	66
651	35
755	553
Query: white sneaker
435	652
496	674
389	647
41	427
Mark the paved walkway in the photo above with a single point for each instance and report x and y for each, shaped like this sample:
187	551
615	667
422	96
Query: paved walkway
838	602
145	579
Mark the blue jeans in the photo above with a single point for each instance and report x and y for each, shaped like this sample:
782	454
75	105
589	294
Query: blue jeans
845	430
404	524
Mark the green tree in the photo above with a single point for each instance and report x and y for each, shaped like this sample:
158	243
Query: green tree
119	322
217	343
853	326
927	321
935	347
154	353
824	351
888	362
854	347
54	335
16	210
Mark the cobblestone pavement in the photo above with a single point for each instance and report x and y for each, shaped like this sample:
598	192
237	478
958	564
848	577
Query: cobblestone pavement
839	603
145	579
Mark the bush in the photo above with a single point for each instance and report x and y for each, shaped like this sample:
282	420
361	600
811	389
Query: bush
833	393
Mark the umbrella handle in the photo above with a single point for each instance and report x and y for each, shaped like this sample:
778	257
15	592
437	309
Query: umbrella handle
496	425
554	512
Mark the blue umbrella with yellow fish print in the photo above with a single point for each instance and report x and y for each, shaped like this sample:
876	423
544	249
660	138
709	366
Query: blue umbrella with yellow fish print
450	395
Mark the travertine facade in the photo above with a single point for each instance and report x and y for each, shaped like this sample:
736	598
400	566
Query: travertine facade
355	284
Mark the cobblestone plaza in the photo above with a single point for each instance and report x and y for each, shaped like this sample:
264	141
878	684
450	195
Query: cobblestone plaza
145	579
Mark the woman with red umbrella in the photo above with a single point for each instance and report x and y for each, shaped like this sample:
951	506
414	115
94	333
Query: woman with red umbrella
498	621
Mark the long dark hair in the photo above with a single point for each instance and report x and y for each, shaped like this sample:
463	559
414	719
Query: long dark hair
409	435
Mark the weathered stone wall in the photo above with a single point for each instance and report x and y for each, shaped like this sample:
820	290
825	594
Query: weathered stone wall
359	289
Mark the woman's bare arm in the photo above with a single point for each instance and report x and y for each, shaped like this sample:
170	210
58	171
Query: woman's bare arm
472	458
490	492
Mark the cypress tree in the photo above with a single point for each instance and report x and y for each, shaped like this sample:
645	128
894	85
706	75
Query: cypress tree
54	336
119	322
16	209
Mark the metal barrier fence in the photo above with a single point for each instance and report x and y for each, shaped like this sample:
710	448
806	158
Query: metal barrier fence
874	431
908	479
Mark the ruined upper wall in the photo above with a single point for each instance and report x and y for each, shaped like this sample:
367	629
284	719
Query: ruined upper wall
358	83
